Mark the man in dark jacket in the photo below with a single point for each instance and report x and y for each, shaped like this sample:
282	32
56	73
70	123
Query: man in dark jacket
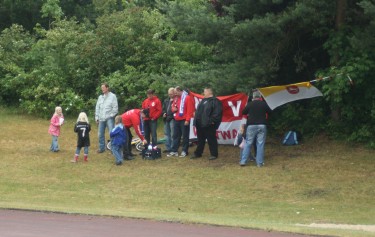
257	114
207	120
168	120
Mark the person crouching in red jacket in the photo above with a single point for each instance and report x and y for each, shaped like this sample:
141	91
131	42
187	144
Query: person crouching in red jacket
132	118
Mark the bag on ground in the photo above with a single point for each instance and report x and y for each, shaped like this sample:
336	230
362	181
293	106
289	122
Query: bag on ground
291	138
152	154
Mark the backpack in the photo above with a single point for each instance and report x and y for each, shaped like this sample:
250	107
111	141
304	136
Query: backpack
291	138
152	154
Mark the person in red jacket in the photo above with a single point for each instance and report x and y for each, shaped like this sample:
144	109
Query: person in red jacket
153	105
132	118
183	109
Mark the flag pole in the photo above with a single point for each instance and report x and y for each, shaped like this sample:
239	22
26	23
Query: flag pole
320	79
350	80
330	77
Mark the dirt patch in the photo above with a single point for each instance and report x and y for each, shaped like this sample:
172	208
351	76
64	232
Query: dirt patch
317	192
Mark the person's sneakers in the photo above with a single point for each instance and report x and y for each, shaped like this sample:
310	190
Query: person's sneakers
128	158
195	156
99	151
212	158
252	159
172	154
242	164
119	163
183	154
260	165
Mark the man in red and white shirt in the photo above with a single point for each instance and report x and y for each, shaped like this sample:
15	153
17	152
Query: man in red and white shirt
183	109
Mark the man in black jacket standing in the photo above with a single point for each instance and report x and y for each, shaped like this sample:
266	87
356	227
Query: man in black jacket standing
257	115
207	120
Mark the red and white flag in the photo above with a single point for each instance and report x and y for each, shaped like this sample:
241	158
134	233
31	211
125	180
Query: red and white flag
232	116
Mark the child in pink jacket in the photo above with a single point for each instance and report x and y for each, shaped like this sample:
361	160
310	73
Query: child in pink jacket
57	121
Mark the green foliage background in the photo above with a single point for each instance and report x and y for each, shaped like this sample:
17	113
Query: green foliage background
58	52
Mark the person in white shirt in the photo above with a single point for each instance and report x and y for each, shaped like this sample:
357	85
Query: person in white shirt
105	112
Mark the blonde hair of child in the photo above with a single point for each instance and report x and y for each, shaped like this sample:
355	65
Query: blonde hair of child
57	108
82	117
118	119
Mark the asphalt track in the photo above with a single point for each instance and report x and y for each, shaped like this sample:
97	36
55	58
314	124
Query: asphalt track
16	223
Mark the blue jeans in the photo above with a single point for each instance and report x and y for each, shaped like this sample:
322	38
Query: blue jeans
150	127
109	123
240	138
117	152
54	145
168	133
258	133
85	150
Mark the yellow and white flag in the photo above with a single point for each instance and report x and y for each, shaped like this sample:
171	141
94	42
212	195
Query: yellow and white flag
279	95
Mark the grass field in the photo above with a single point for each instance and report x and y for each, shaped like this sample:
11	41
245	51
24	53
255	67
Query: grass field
320	181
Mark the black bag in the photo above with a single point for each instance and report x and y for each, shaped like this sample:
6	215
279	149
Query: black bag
151	154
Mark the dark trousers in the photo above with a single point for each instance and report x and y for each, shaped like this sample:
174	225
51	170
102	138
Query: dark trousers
128	147
208	133
150	127
180	130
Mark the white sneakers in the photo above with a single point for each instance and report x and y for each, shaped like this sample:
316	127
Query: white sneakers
171	154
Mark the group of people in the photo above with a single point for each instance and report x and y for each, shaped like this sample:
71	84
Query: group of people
177	111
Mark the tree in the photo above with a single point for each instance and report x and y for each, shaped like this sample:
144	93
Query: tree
59	71
134	45
15	43
24	13
51	9
351	47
